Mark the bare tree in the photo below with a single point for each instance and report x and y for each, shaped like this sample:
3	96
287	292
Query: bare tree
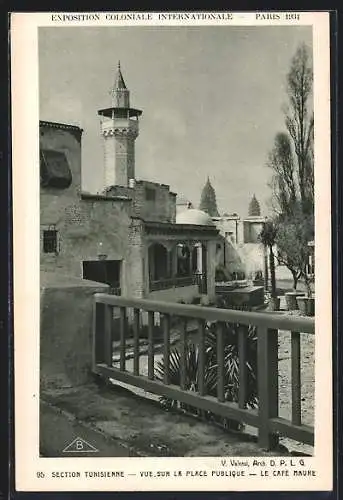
292	237
292	158
299	122
267	238
292	163
284	181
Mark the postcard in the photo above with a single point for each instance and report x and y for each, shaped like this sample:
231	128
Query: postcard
172	251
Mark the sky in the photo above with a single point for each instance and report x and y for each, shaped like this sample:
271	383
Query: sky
212	100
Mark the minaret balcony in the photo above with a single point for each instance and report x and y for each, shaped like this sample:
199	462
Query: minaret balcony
120	126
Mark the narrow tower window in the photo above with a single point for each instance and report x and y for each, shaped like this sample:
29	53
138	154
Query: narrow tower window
50	241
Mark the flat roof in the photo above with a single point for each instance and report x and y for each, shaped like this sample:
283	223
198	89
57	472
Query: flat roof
103	197
43	123
153	227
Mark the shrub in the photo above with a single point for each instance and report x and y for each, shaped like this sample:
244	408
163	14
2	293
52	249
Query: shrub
231	370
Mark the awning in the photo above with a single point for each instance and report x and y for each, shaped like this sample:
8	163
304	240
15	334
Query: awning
54	169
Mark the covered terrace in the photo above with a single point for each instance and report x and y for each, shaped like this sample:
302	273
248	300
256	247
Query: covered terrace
180	255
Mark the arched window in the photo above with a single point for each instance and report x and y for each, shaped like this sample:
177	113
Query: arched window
195	258
183	260
158	262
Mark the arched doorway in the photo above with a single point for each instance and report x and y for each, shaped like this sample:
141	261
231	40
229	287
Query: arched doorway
195	260
158	262
183	260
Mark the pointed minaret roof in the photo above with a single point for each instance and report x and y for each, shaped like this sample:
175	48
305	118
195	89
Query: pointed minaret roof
120	100
119	82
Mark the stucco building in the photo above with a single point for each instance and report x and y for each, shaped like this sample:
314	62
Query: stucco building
239	248
128	236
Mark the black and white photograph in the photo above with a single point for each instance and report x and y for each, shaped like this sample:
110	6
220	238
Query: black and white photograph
176	190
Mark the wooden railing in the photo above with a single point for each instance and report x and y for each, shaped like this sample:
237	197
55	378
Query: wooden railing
266	419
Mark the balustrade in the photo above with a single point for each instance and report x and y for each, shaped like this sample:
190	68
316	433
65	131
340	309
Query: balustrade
266	419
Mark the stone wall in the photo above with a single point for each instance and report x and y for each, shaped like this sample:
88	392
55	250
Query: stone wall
58	205
172	206
252	230
66	308
160	209
85	227
53	200
109	161
134	263
228	228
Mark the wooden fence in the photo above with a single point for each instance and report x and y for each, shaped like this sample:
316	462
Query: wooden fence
266	419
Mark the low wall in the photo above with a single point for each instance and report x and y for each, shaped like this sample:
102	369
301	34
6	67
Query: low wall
250	296
66	309
185	293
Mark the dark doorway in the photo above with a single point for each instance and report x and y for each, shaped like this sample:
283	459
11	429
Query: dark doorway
183	260
158	262
102	271
195	260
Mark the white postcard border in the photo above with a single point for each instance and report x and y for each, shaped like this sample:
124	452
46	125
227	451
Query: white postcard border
34	473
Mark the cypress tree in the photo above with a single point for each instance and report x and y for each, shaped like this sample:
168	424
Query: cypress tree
208	202
254	207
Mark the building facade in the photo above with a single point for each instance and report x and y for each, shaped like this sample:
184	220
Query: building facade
239	249
128	235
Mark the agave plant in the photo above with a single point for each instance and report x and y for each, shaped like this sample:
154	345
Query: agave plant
231	369
191	374
231	360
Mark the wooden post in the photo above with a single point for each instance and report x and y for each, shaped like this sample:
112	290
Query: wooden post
123	330
265	259
296	378
183	341
136	324
268	391
98	336
95	347
220	363
201	361
151	323
166	347
243	373
107	333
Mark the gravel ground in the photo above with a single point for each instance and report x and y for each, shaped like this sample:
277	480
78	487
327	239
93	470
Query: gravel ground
307	384
307	376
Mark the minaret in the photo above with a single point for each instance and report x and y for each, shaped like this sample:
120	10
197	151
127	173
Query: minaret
119	130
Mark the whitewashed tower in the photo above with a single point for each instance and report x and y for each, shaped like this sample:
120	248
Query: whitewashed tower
119	130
